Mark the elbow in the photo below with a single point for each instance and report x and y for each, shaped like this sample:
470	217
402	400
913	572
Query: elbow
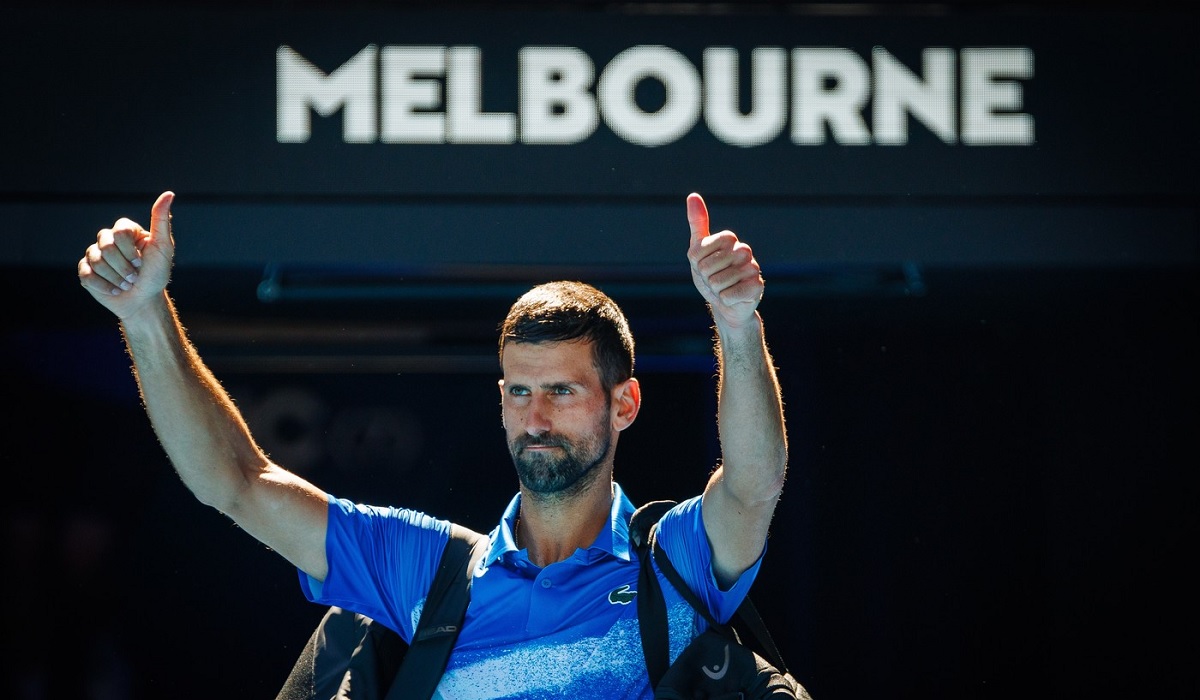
226	492
775	474
220	499
771	490
759	488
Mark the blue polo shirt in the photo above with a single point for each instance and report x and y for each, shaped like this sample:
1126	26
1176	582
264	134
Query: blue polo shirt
566	630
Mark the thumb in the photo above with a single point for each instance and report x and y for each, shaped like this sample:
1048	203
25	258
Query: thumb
160	218
697	214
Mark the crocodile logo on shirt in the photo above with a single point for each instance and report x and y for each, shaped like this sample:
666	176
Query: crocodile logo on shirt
622	595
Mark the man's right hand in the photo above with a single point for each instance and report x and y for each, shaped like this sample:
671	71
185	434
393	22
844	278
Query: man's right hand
128	267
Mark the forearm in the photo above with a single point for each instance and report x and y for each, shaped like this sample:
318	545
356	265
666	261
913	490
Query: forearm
750	420
195	420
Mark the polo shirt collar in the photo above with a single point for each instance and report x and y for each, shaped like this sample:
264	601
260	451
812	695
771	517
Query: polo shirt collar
613	540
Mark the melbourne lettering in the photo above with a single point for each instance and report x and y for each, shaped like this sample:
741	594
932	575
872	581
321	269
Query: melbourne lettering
434	95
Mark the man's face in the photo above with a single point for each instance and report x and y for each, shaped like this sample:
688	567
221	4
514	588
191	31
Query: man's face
557	417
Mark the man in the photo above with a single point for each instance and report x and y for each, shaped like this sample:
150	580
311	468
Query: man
550	613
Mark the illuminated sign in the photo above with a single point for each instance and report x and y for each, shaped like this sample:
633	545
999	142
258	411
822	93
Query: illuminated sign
789	110
433	95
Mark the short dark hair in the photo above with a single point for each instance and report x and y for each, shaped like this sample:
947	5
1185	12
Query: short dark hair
565	311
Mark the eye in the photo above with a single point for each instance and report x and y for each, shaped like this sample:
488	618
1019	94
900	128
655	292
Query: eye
518	390
561	391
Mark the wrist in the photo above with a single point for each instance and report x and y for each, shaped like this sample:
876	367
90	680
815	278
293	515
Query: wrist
153	313
749	327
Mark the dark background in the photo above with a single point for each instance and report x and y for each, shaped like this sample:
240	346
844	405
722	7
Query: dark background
990	379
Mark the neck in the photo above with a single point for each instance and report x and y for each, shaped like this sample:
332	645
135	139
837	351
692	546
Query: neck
553	528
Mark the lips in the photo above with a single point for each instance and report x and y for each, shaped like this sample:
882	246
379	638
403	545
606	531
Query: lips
539	444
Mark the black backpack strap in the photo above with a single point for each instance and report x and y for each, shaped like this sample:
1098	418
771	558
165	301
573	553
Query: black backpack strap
652	608
441	617
652	621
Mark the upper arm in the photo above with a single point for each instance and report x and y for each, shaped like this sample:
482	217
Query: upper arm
287	514
736	529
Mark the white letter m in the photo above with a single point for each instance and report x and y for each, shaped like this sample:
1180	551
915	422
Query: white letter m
300	85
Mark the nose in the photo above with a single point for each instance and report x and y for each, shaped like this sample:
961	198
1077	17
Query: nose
537	419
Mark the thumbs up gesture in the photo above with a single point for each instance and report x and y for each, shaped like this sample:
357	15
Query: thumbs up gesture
128	266
723	269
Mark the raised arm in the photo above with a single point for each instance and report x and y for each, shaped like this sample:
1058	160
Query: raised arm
741	493
127	270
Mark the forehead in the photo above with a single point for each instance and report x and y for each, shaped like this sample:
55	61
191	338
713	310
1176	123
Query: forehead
541	363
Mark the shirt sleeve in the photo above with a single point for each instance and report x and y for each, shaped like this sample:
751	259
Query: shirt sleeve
381	562
682	536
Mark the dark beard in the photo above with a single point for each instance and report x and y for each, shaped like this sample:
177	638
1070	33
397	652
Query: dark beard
565	474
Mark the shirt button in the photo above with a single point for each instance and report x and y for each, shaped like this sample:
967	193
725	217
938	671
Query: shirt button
546	583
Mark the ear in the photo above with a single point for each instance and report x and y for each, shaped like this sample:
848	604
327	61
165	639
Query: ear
500	385
626	400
